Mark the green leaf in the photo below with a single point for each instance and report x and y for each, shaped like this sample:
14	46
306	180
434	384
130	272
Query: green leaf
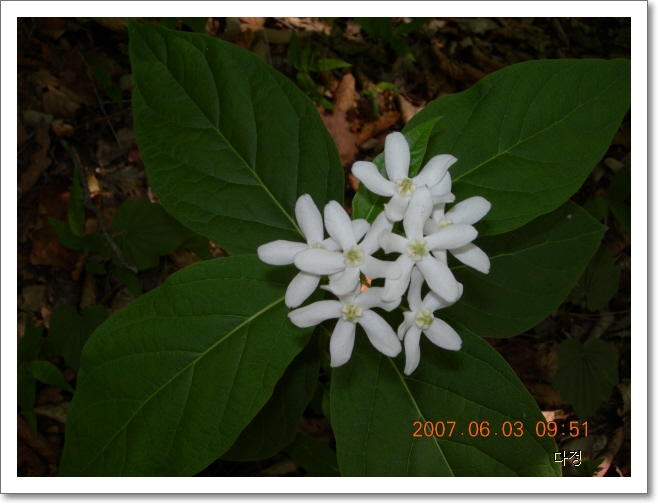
46	372
402	48
27	392
198	24
588	468
147	232
374	407
68	331
76	207
532	271
30	343
168	383
367	205
600	280
295	51
622	213
325	64
128	278
526	137
316	458
95	268
376	27
597	208
229	144
404	28
275	425
65	234
620	187
585	374
96	243
105	80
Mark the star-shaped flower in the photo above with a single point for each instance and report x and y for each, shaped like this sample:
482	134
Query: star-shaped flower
399	185
415	250
354	308
420	318
345	269
282	252
469	211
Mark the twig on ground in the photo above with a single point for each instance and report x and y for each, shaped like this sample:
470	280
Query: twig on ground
90	205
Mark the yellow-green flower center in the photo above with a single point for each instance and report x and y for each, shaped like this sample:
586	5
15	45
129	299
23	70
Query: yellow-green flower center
424	318
405	187
316	245
350	312
354	257
444	223
416	249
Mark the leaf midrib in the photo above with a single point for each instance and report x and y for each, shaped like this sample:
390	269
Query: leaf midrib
191	363
219	133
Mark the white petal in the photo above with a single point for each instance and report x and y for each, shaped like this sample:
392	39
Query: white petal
338	225
330	244
413	296
473	256
444	186
370	177
396	208
412	349
469	211
393	289
375	268
372	298
396	156
431	225
315	313
370	243
301	287
439	278
441	255
438	212
346	282
406	325
392	242
450	237
420	208
442	198
360	228
309	219
380	334
442	335
280	252
434	170
320	261
341	343
434	302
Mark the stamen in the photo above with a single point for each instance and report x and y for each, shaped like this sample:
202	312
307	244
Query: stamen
354	257
416	249
424	318
350	312
405	187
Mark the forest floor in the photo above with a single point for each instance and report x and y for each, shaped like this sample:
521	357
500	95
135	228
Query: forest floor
74	107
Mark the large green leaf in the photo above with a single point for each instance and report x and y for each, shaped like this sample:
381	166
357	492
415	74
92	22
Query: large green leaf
374	407
228	143
586	374
316	458
533	268
527	136
168	383
275	425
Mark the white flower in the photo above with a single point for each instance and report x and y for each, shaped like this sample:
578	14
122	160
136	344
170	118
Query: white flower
345	269
415	250
282	252
399	186
420	318
352	309
468	211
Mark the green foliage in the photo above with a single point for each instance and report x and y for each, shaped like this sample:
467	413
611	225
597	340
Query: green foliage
169	382
212	153
372	93
316	458
105	80
615	200
382	28
533	270
275	424
76	207
46	372
585	375
65	234
374	407
527	136
306	62
588	468
198	24
599	282
68	331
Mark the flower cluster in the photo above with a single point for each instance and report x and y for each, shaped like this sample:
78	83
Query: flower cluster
429	233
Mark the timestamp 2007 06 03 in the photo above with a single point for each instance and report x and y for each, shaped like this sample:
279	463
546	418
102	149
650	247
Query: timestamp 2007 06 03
506	429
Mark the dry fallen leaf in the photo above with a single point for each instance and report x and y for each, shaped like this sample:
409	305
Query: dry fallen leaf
39	160
337	123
